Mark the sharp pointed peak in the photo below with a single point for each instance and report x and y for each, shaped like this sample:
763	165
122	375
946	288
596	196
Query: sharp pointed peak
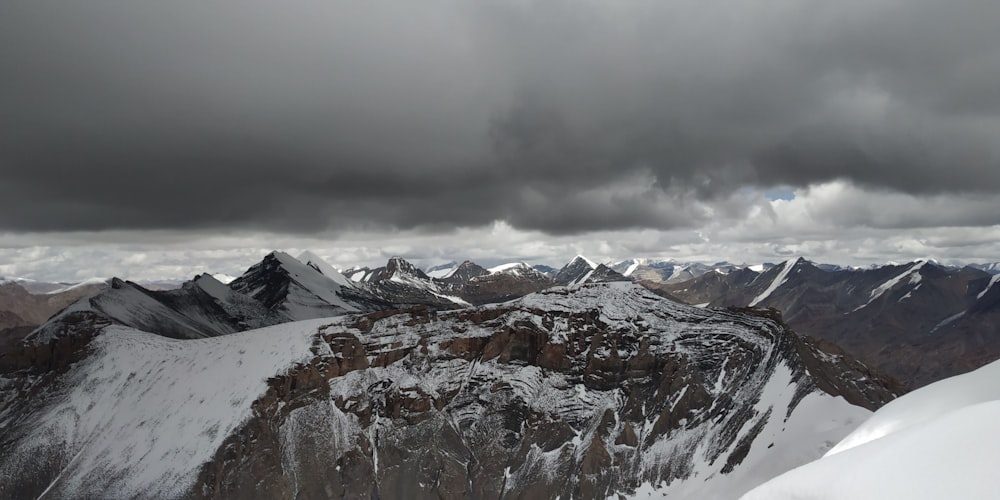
580	257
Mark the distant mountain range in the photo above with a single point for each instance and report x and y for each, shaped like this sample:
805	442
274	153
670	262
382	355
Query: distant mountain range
918	321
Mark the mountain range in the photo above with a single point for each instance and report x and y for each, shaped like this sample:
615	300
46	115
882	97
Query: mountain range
919	322
296	380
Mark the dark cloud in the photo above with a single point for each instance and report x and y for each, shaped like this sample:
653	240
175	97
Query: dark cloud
557	115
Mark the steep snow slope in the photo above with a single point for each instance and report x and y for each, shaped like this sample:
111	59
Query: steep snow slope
316	262
139	416
940	441
928	403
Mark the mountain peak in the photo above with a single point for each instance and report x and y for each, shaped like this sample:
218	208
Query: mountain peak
465	272
604	274
576	271
399	265
584	259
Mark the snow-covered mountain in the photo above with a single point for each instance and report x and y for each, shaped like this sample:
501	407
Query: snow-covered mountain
668	271
401	283
604	274
464	272
301	291
281	288
504	282
576	271
590	391
520	269
441	270
203	307
940	441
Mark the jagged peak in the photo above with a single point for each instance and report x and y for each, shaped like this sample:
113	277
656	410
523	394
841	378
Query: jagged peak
399	265
580	257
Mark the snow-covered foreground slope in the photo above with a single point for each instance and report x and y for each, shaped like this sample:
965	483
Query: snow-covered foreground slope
584	392
142	413
941	441
817	422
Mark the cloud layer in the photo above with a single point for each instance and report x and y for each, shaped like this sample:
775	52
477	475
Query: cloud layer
561	117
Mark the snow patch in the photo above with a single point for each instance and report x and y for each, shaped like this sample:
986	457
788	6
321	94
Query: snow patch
87	282
889	285
779	280
224	278
631	269
993	281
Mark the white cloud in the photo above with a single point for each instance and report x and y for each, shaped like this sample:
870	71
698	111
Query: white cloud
833	222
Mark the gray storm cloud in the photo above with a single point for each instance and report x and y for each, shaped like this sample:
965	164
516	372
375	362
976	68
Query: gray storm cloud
553	115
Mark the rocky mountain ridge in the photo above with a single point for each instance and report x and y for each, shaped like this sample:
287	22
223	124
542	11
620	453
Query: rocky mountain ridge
587	391
919	322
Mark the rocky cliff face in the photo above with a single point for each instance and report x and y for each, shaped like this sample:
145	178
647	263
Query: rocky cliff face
588	392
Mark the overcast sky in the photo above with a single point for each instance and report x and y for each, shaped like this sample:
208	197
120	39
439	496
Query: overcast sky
157	139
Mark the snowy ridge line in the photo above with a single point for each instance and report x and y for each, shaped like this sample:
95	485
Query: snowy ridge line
993	280
588	261
778	281
890	284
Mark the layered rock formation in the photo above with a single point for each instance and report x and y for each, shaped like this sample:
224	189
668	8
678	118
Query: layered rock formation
592	391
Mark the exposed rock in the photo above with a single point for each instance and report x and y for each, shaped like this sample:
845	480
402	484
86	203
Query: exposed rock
587	392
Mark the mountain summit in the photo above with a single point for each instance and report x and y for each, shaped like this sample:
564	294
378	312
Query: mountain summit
576	271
